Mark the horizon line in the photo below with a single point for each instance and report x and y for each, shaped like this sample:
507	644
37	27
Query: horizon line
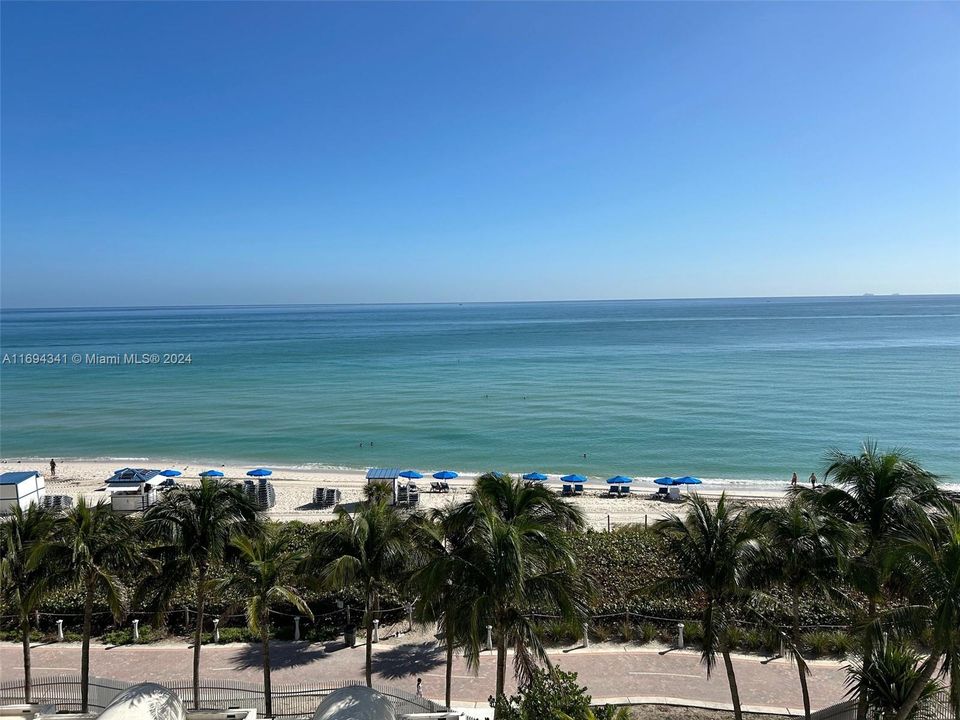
4	308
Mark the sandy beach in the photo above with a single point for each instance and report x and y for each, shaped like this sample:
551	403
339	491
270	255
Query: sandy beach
294	489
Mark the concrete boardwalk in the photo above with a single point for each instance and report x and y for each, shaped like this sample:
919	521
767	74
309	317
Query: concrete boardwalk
608	672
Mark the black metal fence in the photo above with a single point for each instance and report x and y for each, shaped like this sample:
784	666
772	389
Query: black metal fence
937	708
290	701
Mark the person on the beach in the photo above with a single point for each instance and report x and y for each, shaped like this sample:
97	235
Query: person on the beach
793	480
813	480
420	687
53	467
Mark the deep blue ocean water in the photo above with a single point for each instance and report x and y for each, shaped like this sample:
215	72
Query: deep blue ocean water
743	389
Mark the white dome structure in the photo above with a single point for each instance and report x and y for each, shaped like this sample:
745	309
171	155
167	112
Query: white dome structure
355	703
146	701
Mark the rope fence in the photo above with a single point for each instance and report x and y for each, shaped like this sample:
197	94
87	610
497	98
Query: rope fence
302	622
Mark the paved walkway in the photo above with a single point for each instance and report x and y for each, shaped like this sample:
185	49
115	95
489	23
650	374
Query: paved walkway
608	672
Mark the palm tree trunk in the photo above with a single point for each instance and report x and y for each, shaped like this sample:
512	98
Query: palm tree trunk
25	636
867	657
371	608
501	664
801	663
197	634
804	690
732	679
85	649
449	677
926	672
265	640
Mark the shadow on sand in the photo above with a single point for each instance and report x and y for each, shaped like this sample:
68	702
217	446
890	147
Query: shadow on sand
408	659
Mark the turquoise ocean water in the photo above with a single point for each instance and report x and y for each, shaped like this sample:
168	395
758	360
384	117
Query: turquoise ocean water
723	389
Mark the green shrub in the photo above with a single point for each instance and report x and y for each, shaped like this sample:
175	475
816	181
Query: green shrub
693	632
231	634
600	632
843	643
824	643
627	631
736	637
124	636
752	640
560	631
648	632
323	632
549	694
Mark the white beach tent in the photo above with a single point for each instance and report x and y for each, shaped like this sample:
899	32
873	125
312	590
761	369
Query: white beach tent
355	703
20	489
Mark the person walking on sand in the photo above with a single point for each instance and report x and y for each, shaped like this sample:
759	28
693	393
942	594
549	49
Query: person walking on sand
419	687
53	467
813	480
793	480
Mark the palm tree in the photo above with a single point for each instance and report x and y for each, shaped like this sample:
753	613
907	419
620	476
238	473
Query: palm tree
801	549
262	575
879	494
716	550
890	678
369	548
517	559
930	556
441	580
25	538
194	525
92	546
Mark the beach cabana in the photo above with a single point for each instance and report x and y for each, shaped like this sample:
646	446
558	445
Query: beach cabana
131	500
388	475
19	489
127	479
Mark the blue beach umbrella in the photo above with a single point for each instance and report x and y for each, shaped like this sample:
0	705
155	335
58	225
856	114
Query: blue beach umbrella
171	473
211	473
619	480
666	481
260	472
575	479
445	475
411	475
687	480
535	476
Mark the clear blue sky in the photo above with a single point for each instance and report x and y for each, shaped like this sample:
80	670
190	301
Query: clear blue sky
193	153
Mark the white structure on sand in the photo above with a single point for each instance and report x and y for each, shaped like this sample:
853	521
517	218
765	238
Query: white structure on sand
19	489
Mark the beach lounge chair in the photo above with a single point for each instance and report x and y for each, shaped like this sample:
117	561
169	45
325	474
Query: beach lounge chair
661	494
435	487
613	491
624	490
566	490
444	486
578	489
